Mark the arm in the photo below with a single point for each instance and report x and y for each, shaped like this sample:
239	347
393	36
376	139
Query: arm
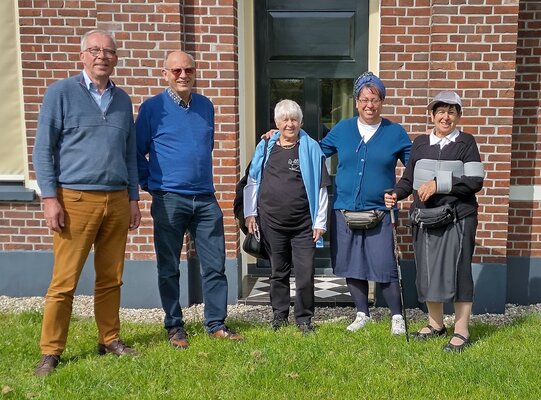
53	213
328	143
405	143
131	161
135	215
48	133
144	136
472	180
320	225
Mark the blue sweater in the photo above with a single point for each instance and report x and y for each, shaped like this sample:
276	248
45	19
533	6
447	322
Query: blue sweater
80	147
179	143
365	170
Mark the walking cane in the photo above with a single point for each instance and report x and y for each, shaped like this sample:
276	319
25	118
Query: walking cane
398	268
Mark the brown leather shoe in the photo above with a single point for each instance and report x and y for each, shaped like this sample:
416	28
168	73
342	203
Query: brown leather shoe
118	348
226	333
47	364
177	338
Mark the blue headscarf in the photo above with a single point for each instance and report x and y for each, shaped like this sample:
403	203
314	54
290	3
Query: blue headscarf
368	77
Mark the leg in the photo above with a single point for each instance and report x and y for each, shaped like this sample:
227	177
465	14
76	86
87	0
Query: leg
359	293
303	257
391	294
110	248
462	320
207	230
435	314
71	248
171	214
279	245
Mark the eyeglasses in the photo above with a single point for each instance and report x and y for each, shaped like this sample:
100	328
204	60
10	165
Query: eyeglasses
364	102
178	71
95	51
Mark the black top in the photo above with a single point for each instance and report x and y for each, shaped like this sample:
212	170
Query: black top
283	201
464	187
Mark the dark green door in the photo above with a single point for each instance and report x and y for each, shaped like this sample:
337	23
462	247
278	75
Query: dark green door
309	51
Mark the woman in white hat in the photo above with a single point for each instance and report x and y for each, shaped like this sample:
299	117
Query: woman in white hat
444	173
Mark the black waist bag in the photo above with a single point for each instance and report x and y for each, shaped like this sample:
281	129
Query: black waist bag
436	217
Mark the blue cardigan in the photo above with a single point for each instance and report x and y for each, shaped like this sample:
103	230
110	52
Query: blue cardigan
365	170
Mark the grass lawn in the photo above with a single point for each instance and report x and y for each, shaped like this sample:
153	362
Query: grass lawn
503	363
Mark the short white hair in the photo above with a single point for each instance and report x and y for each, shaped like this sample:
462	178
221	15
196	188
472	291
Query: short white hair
287	108
89	33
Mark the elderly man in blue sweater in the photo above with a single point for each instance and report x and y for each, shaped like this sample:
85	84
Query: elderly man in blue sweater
85	164
175	139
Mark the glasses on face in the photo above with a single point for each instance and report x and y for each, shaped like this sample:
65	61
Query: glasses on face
364	102
178	71
95	51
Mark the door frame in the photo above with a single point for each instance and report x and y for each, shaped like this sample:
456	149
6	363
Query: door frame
247	94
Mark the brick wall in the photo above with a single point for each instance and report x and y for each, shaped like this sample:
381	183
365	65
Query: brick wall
145	32
525	216
426	45
470	47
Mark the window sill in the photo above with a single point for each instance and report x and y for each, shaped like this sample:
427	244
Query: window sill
16	193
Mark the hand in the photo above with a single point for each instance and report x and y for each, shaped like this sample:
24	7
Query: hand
426	190
268	134
251	224
390	200
317	233
54	214
135	215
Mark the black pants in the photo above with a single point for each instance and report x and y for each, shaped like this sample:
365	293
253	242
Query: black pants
287	249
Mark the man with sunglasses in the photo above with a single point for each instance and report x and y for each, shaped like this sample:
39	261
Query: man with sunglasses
175	139
86	168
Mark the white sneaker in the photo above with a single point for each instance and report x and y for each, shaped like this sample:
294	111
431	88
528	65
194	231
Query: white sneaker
398	326
361	320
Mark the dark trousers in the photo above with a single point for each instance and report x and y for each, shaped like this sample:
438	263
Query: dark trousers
287	249
173	215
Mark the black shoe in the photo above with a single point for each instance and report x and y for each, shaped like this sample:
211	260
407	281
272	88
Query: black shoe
47	365
306	328
457	348
278	323
427	335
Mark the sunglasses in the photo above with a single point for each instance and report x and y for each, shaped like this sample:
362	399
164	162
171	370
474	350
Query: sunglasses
178	71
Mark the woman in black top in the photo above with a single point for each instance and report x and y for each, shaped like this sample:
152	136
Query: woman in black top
287	190
444	172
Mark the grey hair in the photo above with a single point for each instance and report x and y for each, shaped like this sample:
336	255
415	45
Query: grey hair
89	33
287	108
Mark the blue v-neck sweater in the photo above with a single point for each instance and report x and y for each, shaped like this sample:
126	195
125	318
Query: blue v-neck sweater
178	142
365	170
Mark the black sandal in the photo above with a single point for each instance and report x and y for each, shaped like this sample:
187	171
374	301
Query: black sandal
427	335
457	348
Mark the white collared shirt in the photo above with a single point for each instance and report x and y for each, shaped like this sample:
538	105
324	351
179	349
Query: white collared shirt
451	137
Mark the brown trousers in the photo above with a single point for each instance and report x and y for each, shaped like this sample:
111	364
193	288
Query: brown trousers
91	218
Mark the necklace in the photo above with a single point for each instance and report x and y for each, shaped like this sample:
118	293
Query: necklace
287	146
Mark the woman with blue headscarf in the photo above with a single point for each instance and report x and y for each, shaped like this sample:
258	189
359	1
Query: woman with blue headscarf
368	149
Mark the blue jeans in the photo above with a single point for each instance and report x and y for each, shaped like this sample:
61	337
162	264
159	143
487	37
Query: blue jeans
201	215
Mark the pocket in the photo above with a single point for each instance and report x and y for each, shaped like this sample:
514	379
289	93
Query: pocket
70	195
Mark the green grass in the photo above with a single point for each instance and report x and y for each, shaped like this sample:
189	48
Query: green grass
503	363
